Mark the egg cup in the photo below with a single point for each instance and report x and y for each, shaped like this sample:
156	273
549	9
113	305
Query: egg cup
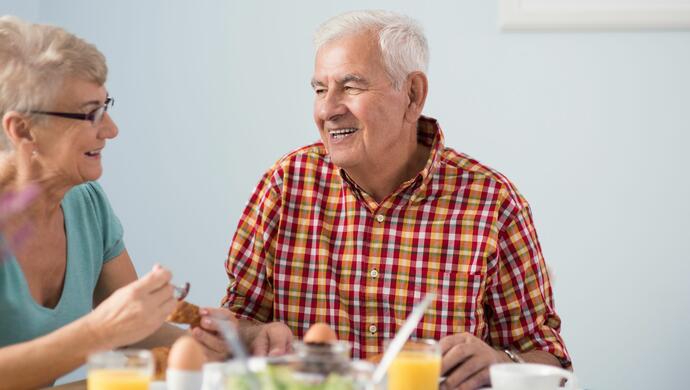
183	380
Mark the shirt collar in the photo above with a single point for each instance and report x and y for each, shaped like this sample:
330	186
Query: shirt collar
429	133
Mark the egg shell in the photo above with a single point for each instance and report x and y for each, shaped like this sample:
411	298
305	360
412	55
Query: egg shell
320	333
186	354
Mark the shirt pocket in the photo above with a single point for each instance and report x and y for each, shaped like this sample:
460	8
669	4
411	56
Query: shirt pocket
457	307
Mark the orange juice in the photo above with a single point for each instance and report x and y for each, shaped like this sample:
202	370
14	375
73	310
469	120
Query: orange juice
414	370
112	379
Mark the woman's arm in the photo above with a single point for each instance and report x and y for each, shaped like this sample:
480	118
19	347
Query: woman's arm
116	273
39	362
128	315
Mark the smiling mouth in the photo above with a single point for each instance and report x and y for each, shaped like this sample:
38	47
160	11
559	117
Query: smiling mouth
93	153
342	133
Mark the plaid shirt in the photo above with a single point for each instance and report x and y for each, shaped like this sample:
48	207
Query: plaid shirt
312	246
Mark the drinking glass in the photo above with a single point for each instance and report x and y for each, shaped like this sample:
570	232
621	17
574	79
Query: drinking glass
125	369
417	366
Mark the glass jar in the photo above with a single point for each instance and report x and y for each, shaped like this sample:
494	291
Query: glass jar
323	358
313	366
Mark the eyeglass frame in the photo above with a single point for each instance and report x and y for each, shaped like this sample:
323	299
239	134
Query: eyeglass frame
90	116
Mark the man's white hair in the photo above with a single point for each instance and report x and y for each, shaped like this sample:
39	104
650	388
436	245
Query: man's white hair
403	46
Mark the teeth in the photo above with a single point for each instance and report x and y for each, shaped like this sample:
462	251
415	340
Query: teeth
343	131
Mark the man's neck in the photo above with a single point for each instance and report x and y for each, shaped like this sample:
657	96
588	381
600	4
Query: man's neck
381	181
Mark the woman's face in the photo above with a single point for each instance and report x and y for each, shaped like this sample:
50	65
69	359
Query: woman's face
71	148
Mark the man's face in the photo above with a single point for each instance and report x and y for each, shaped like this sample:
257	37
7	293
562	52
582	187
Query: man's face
358	112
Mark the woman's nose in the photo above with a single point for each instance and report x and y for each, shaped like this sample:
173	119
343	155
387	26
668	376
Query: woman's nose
107	128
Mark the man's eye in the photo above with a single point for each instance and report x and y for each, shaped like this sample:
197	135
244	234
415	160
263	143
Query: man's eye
352	90
319	91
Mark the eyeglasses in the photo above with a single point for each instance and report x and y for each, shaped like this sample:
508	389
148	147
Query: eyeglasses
95	116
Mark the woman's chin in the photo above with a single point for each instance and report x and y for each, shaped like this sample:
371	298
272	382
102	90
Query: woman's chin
90	175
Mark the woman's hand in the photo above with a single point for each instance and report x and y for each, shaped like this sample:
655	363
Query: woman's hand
134	311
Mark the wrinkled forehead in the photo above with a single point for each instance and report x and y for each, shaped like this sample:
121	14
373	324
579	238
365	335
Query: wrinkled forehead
355	54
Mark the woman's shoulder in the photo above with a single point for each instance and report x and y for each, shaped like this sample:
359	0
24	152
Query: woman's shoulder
88	197
90	191
89	216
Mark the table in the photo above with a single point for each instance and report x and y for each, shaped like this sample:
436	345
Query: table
78	385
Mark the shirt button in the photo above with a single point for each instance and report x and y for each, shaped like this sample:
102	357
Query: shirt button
380	218
374	273
372	329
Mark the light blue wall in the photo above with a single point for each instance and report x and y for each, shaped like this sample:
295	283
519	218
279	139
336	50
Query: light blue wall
592	127
27	9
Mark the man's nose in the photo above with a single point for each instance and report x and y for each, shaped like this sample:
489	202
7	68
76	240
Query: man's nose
331	107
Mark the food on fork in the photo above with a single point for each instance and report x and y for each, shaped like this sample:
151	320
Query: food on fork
185	313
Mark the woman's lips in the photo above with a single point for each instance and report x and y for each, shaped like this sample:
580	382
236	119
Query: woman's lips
94	153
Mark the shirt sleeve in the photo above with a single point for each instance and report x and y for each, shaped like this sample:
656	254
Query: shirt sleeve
519	294
111	228
250	259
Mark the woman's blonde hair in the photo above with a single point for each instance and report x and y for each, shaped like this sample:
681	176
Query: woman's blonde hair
35	59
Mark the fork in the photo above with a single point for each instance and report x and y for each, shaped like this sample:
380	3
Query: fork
180	292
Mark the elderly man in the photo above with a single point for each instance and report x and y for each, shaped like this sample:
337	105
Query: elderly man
355	229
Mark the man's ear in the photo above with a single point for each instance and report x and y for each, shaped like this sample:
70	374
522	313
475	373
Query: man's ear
417	87
17	127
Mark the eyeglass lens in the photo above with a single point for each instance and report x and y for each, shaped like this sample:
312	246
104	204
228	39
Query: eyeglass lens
100	111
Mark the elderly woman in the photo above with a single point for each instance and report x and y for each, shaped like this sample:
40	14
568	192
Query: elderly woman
54	110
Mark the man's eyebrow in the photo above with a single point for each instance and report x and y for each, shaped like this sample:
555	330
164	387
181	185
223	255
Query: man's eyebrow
345	79
353	78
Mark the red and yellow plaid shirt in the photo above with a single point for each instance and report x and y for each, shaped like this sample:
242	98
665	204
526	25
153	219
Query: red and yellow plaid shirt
311	246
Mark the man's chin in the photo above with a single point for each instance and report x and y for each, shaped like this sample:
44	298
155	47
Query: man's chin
340	161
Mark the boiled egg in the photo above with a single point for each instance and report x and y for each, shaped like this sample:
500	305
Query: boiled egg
320	333
186	355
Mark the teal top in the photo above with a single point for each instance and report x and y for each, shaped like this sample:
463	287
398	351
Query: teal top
94	236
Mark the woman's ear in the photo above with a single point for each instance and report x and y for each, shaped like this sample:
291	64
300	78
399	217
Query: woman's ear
17	127
417	86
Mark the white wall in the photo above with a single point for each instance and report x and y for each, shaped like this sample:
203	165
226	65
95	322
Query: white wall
592	127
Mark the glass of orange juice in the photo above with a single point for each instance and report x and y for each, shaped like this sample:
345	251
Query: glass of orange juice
417	366
124	369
